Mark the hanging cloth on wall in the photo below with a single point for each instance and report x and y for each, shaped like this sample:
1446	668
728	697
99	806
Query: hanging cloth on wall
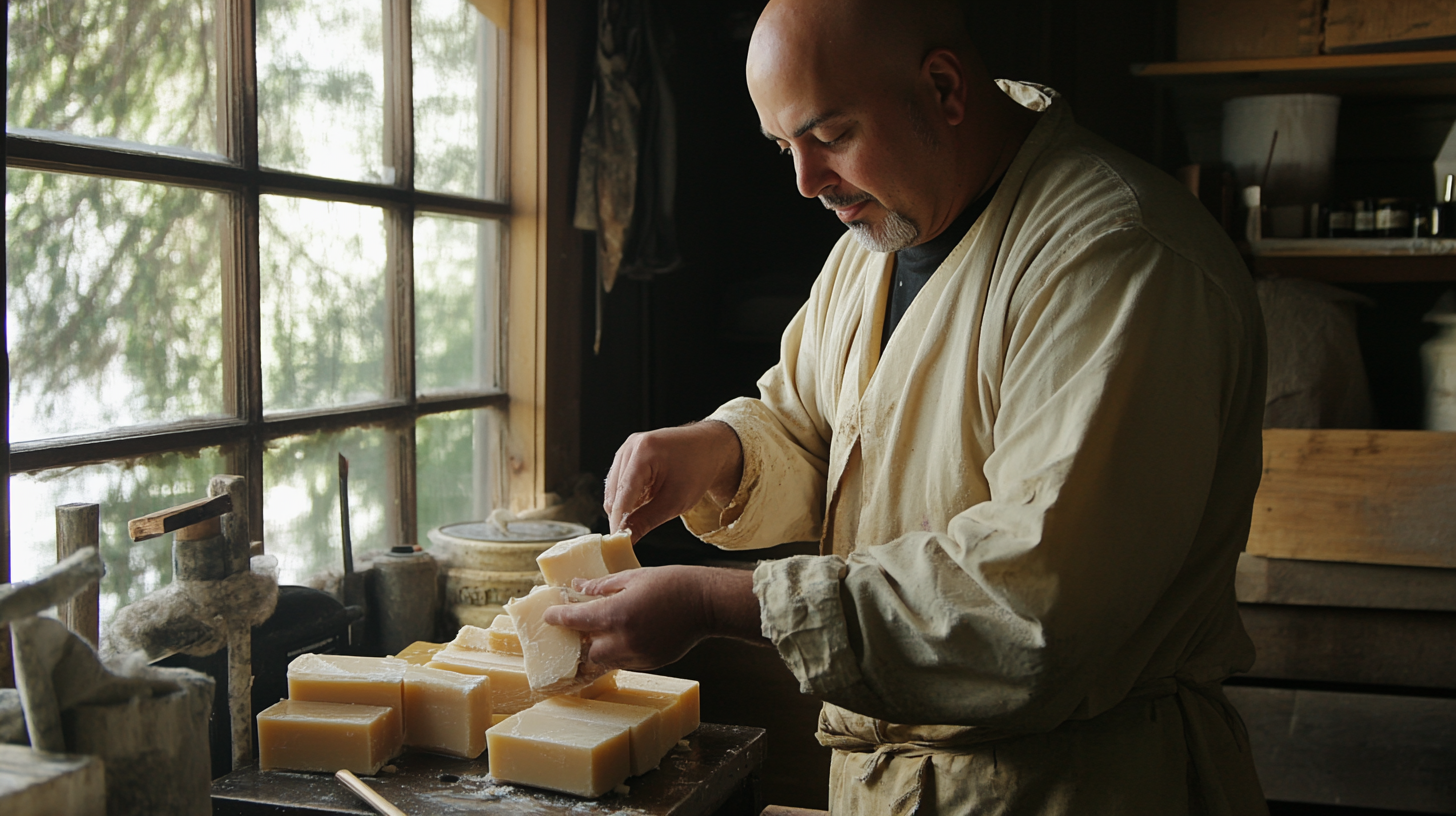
627	177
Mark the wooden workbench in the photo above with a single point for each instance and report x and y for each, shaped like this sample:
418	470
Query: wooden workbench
716	773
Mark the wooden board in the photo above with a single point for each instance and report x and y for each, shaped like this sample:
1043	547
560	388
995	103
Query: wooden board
1376	497
1244	29
1360	750
1361	646
1328	583
715	773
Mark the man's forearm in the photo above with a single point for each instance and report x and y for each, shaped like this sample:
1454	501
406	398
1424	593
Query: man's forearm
731	607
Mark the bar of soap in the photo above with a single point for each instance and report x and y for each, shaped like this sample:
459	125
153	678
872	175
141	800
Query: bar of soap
677	698
445	711
650	742
617	552
300	735
607	682
573	558
552	654
420	652
501	636
540	749
509	690
375	681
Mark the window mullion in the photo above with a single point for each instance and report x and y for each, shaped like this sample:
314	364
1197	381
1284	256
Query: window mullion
399	154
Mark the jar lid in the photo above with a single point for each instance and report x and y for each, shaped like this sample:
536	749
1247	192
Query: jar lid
517	532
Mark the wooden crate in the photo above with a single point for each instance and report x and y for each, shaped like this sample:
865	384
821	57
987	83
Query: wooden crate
1375	497
1247	29
1359	750
1386	25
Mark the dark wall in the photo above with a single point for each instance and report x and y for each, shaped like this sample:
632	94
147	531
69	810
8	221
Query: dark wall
674	349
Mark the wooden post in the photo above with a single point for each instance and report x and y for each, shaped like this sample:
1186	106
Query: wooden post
240	633
79	526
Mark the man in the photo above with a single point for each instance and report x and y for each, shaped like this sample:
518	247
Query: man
1031	482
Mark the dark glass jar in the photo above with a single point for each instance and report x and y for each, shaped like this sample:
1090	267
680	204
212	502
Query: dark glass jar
1340	222
1364	210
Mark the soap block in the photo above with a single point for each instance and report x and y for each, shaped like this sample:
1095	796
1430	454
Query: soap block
650	742
300	735
420	652
573	756
617	552
472	638
445	711
501	636
551	653
607	682
573	558
509	690
680	697
376	681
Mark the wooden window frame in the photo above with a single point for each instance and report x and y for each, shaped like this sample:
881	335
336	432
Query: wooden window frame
528	387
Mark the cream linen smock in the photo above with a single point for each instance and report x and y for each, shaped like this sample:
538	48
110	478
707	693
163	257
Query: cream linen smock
1029	510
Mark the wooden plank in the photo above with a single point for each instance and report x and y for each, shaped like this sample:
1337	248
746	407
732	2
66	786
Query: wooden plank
175	518
693	781
1370	24
1358	646
1375	497
1359	269
1327	583
1359	750
1342	62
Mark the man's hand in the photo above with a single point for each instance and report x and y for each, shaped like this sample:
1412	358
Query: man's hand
648	618
661	474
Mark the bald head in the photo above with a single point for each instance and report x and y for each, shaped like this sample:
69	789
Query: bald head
886	108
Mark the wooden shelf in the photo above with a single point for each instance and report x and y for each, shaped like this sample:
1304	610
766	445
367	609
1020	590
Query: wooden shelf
1421	73
1359	268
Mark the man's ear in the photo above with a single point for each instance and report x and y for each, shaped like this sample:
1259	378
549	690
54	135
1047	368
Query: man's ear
946	74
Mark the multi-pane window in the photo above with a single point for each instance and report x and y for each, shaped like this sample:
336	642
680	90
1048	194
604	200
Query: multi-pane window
245	236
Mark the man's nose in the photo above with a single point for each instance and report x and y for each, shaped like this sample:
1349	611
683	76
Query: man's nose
813	175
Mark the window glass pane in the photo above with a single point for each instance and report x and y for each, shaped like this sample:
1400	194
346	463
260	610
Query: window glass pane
301	500
457	264
457	63
136	71
321	88
323	307
113	303
125	491
457	468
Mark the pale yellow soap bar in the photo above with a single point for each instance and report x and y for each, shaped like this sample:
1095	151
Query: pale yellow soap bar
501	636
573	558
509	691
617	552
607	682
377	681
420	652
298	735
574	756
551	653
679	698
650	741
445	711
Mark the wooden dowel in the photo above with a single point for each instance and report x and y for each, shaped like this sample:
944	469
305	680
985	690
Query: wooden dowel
370	796
78	526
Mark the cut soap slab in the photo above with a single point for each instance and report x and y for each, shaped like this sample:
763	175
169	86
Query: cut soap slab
445	711
650	741
509	691
298	735
574	756
678	699
551	653
589	556
376	681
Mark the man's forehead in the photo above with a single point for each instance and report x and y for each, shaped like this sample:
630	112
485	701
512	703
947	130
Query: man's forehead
805	124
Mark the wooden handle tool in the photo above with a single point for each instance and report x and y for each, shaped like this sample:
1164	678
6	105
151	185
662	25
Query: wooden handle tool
370	796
